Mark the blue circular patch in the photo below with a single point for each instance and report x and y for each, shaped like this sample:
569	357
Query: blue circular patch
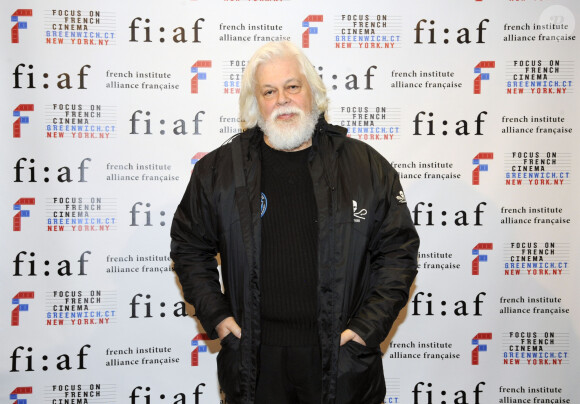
263	204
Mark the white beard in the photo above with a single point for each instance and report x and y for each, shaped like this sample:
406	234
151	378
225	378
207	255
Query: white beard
289	135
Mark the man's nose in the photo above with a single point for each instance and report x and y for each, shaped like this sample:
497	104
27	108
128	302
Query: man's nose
282	98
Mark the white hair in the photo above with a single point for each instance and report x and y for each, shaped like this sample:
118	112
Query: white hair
249	110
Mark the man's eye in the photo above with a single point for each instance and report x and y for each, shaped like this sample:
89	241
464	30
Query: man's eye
294	88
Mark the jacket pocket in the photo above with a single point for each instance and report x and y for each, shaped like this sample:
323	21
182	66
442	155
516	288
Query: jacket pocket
360	375
228	367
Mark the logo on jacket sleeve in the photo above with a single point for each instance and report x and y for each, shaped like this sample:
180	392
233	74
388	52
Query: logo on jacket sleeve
358	215
401	197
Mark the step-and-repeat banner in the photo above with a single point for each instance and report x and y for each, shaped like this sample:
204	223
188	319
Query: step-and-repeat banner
107	106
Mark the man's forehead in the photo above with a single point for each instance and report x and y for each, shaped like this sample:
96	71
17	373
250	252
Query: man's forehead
281	68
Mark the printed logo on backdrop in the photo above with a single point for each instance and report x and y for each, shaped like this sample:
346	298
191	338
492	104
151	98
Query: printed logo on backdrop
81	214
534	215
28	267
424	123
422	350
532	305
536	76
481	76
140	30
431	217
543	259
424	79
198	348
311	25
139	80
19	17
17	393
20	307
246	32
134	356
22	359
80	393
64	78
537	169
80	27
369	123
432	32
25	171
142	124
198	75
479	346
80	121
544	348
136	172
366	31
477	251
80	308
554	27
20	119
17	219
232	71
424	304
476	173
532	124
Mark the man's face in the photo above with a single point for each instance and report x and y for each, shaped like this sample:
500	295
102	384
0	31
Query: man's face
281	83
285	102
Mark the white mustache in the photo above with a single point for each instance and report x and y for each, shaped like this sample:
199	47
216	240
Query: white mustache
286	110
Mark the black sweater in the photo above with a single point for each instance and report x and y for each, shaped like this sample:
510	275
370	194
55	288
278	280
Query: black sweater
289	275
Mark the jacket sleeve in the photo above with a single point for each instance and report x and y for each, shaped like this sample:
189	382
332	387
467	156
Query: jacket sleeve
393	250
194	246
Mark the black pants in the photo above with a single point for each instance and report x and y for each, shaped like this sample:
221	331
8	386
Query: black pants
289	375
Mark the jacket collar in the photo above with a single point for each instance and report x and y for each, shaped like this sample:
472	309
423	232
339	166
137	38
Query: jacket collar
328	135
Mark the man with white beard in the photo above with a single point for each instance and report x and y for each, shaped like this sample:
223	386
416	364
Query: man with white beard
318	250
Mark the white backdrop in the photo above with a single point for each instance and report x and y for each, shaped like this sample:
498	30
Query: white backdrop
108	105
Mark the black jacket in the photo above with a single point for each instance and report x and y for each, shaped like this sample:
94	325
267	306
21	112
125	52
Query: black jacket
367	258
